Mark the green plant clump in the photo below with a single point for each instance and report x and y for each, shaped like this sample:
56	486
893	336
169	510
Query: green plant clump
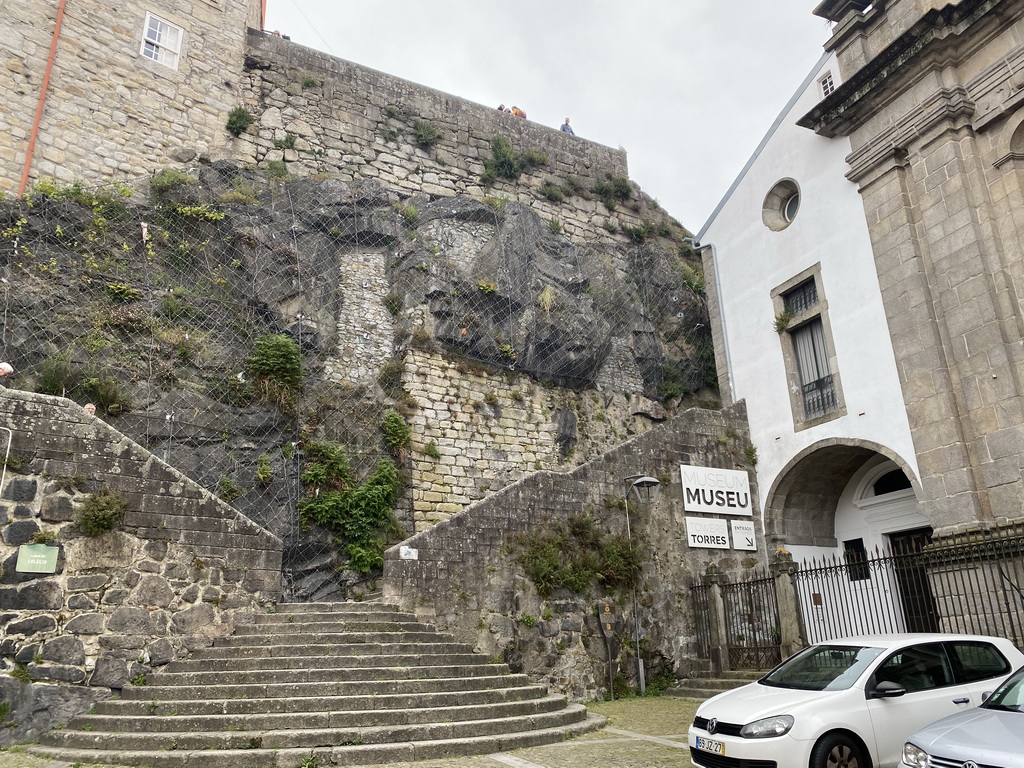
431	450
139	679
264	471
101	513
276	365
277	169
20	672
575	555
168	179
360	514
310	82
288	142
426	134
239	120
227	490
552	192
397	433
122	293
613	189
48	538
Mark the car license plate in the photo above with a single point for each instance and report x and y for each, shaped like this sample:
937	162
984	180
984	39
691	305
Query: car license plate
708	745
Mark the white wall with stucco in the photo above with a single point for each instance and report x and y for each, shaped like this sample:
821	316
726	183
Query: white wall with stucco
829	229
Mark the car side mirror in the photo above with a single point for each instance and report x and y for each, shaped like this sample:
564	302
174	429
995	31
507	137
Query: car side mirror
887	689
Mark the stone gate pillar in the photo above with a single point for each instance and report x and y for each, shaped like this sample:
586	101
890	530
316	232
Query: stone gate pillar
719	647
791	635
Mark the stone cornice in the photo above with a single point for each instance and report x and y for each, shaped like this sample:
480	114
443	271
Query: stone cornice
950	106
837	10
838	113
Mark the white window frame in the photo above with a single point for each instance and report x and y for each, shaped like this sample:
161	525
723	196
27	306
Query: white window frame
158	44
827	84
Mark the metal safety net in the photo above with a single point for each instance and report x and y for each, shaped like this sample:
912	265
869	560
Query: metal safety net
254	332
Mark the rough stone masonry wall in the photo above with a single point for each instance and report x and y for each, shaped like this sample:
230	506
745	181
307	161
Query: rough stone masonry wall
182	568
111	112
467	580
490	428
356	122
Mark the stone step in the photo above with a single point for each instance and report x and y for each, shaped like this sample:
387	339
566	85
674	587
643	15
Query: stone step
342	684
308	736
307	617
347	607
328	638
480	668
323	662
333	626
340	688
367	702
364	754
149	719
698	688
341	649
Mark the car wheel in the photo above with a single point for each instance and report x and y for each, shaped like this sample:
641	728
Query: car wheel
836	750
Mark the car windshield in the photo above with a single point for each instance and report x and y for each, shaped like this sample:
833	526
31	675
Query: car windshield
1009	696
822	668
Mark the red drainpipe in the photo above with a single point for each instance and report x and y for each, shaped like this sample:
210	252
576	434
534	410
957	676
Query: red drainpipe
263	15
42	99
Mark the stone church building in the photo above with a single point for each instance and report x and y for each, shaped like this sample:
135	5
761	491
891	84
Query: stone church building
869	262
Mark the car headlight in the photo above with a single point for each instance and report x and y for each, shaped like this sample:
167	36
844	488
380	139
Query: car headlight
914	756
768	727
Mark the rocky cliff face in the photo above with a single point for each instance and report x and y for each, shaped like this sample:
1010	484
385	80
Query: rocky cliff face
453	311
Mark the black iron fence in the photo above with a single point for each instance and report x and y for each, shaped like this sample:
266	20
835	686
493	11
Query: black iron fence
971	584
974	586
752	623
701	620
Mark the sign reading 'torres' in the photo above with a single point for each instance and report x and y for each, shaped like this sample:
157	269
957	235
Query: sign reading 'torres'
719	491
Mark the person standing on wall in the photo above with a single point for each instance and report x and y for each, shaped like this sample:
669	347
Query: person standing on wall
566	128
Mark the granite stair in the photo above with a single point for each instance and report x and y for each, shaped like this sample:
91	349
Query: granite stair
318	684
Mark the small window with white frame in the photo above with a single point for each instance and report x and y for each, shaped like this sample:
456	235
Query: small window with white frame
161	41
827	84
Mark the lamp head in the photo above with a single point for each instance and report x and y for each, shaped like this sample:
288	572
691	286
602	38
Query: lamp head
646	488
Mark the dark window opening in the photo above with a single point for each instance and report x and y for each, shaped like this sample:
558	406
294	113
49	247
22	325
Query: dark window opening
856	557
891	482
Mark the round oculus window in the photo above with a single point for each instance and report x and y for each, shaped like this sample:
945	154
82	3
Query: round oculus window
781	205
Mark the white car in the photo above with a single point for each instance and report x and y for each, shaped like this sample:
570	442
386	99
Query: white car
848	703
992	734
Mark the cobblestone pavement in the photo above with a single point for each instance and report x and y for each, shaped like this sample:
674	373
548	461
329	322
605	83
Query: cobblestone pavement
641	733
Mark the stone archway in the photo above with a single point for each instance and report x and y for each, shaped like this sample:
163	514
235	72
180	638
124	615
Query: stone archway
800	508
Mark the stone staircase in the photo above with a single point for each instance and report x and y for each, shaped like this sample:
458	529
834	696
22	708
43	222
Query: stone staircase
702	684
317	684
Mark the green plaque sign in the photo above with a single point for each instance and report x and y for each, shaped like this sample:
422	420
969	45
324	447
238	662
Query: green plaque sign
37	558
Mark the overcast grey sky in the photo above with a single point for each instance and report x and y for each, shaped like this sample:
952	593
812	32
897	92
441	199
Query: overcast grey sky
687	87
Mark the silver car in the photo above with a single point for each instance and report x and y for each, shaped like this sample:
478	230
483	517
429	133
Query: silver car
989	735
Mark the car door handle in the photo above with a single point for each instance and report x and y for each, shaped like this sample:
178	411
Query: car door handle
962	701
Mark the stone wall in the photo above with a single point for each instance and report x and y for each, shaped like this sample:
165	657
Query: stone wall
467	580
317	114
490	428
936	156
111	112
180	569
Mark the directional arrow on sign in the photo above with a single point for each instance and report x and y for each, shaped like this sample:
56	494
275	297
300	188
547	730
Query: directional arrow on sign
750	541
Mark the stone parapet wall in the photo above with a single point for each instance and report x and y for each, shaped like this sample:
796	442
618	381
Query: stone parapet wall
466	568
491	428
181	568
355	122
152	115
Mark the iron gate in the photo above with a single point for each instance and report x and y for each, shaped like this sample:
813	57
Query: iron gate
752	623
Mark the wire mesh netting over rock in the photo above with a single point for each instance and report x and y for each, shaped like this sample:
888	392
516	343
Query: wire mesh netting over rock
257	334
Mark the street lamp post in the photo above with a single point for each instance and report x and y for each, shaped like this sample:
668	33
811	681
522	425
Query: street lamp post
646	490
